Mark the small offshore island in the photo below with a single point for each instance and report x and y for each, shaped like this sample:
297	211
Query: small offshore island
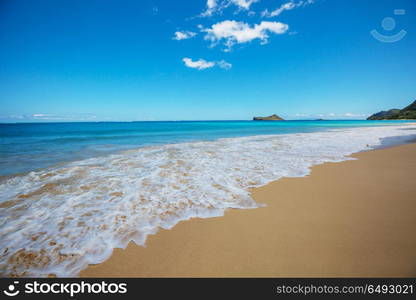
269	118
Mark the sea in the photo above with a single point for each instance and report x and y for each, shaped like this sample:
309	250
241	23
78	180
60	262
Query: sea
72	192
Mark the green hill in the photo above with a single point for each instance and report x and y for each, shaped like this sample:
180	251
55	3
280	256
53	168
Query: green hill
409	112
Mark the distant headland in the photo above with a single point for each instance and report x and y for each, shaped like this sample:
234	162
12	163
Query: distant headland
269	118
407	113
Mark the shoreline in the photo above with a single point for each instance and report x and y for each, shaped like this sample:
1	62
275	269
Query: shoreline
342	220
69	160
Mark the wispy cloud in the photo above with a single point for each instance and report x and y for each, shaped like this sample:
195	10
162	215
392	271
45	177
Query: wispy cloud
49	117
301	115
62	117
286	6
233	32
330	116
244	4
217	6
352	115
183	35
278	11
202	64
343	116
224	65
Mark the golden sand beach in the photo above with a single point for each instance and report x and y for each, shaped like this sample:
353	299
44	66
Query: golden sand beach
350	219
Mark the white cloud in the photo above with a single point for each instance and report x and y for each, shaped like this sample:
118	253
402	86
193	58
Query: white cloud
52	117
48	117
342	115
183	35
202	64
199	64
351	115
212	6
331	116
278	11
224	65
286	6
245	4
233	32
217	6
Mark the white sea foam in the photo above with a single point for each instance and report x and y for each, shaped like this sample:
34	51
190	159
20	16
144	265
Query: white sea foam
59	220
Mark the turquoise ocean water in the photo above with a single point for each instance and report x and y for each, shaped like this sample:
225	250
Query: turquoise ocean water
31	146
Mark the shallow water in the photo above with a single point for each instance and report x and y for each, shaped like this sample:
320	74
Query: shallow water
27	147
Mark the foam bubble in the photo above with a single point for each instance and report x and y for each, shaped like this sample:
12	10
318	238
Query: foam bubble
59	220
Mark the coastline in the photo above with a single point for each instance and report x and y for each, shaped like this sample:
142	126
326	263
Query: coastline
353	218
176	182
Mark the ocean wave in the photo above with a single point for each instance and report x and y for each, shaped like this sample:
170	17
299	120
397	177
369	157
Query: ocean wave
56	221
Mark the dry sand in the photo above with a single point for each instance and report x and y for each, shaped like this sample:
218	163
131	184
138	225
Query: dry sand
350	219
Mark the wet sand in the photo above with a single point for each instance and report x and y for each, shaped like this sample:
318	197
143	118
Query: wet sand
349	219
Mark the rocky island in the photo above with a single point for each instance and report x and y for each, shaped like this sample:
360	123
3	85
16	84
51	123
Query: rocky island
407	113
269	118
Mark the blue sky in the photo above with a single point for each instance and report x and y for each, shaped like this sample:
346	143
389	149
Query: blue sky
203	60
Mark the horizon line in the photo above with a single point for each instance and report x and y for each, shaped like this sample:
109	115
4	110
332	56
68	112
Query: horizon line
155	121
